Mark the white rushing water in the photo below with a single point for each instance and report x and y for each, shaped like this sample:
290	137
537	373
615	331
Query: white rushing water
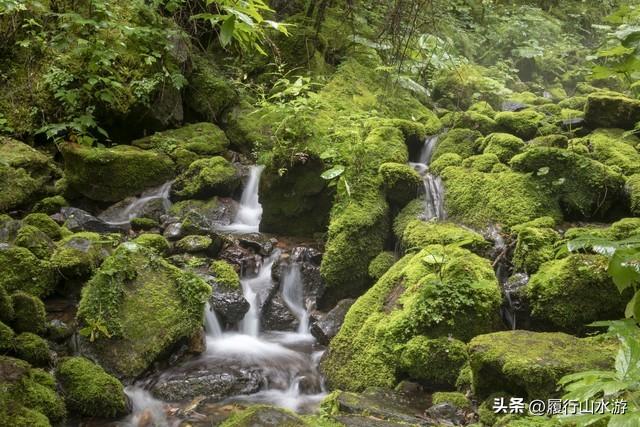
119	215
252	288
293	296
433	185
247	219
211	323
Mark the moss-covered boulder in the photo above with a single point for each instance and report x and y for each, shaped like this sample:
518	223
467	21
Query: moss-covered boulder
137	306
80	254
198	244
111	174
28	396
188	143
24	173
153	241
481	162
611	110
268	416
570	293
503	145
50	205
36	241
6	305
507	198
554	140
420	234
401	183
381	264
89	391
464	85
444	161
29	314
584	187
435	363
7	337
204	178
529	364
33	349
633	189
470	120
225	275
23	271
609	147
44	223
463	142
523	124
437	292
297	202
535	245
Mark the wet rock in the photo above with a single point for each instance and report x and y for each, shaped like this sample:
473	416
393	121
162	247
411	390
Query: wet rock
308	259
218	210
446	414
230	306
153	208
327	327
173	231
79	220
573	123
513	106
216	381
259	243
265	416
196	344
9	230
198	244
276	316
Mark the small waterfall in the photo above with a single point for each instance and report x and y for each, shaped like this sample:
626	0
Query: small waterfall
146	410
251	288
247	219
293	296
211	323
123	214
433	185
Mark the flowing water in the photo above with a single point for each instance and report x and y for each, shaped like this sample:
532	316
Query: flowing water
286	362
433	185
120	214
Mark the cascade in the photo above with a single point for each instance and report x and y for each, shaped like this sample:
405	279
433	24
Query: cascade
433	185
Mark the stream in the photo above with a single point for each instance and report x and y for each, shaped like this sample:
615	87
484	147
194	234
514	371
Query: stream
433	185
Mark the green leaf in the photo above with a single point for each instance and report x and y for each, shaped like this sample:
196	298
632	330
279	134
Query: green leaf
624	268
332	173
633	307
227	30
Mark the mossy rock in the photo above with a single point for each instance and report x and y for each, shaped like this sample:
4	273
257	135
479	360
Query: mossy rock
24	173
464	142
29	313
381	264
299	201
7	336
80	254
192	142
444	161
523	124
144	223
6	306
28	396
33	349
89	391
478	199
529	364
584	187
400	182
470	120
44	223
23	271
225	275
457	399
196	244
412	211
610	148
435	363
572	292
437	292
467	84
143	307
263	415
483	107
112	174
36	241
633	189
153	241
420	234
555	140
503	145
482	162
611	110
50	205
204	178
534	246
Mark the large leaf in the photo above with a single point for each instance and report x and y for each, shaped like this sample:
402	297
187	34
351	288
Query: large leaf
227	30
624	268
332	173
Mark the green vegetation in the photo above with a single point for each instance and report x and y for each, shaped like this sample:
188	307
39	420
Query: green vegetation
226	276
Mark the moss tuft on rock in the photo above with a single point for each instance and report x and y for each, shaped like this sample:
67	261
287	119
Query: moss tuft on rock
22	270
36	241
153	241
225	275
523	124
7	336
611	110
470	120
33	349
435	363
381	264
633	189
44	223
534	246
463	142
482	162
420	234
609	147
50	205
80	254
204	178
444	161
401	183
457	399
89	390
144	223
503	145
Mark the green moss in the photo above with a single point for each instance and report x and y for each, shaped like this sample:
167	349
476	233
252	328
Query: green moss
610	148
459	400
226	276
633	189
153	241
503	145
50	205
483	107
507	198
187	143
111	174
463	142
22	270
569	293
44	223
436	293
557	141
534	246
263	415
381	264
470	120
144	223
444	161
435	363
523	124
624	228
145	304
194	244
80	254
584	187
467	84
481	162
611	110
465	379
29	313
528	98
33	349
529	364
413	210
400	183
420	234
35	240
6	305
574	103
205	178
89	390
7	336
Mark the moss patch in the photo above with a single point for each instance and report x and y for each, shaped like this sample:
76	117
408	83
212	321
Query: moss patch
204	178
611	110
436	363
226	276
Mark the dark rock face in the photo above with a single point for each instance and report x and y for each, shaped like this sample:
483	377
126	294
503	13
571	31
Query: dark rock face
216	381
513	106
446	414
230	306
276	316
79	220
309	260
153	208
327	327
